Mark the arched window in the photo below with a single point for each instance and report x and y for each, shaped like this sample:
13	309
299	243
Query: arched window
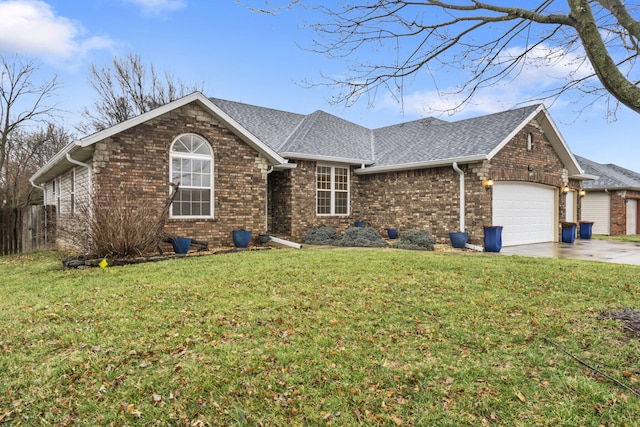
191	166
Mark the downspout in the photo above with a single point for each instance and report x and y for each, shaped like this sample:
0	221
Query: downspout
462	203
89	177
89	169
266	202
41	187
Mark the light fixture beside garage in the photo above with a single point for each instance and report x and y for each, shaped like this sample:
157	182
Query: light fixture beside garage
487	184
565	189
582	193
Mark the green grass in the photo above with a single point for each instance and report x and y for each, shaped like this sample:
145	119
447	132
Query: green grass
316	337
634	238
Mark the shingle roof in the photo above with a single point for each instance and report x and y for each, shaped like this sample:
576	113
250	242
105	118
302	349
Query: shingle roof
273	127
610	176
327	136
431	139
322	134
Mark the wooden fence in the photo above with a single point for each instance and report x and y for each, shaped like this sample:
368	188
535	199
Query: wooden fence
27	229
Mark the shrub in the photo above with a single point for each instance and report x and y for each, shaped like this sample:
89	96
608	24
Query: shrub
415	240
116	225
361	237
321	235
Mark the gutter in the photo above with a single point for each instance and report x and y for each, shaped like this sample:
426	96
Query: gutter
420	165
462	203
321	158
53	161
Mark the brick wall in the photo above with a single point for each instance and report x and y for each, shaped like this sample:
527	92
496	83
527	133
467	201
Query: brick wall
280	200
136	161
619	211
422	199
426	199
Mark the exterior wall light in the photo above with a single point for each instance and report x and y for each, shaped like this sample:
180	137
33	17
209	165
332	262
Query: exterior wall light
582	193
565	189
487	184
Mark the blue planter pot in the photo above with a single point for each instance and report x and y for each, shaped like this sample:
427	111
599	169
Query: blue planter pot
392	233
241	238
568	233
181	245
492	238
586	228
459	239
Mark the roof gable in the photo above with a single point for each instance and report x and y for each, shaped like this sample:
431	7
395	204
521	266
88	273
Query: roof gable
432	140
84	146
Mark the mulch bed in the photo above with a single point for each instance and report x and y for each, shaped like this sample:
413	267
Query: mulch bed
89	261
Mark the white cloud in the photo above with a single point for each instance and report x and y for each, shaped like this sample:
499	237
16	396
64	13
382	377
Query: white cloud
32	27
545	69
157	7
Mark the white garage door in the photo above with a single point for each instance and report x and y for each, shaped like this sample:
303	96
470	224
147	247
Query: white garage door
526	211
595	207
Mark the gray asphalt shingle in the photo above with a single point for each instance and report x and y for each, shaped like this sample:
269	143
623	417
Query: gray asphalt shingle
424	140
431	139
610	176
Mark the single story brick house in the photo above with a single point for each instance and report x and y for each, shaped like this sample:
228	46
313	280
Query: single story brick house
241	166
611	200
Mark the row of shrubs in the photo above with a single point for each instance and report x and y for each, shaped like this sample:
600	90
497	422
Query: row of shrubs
365	237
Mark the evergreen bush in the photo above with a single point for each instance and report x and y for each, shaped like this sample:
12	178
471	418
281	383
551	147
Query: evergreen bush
321	235
361	237
416	240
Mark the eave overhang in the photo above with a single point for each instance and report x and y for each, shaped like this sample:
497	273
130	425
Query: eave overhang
420	165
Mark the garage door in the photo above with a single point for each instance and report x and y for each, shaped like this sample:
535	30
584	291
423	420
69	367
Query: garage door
595	207
526	211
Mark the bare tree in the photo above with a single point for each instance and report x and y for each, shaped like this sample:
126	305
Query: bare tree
22	103
127	89
27	151
488	41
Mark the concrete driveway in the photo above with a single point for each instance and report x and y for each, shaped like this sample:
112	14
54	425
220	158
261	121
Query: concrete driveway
589	250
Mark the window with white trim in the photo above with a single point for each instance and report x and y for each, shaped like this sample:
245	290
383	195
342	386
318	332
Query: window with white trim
332	190
191	167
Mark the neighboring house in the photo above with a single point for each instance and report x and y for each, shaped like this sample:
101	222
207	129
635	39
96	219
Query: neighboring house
270	171
612	199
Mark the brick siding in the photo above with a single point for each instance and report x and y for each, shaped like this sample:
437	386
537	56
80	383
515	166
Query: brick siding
619	211
136	161
426	199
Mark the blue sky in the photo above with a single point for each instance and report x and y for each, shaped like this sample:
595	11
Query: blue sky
257	58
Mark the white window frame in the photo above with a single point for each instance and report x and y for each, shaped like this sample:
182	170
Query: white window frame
332	190
192	156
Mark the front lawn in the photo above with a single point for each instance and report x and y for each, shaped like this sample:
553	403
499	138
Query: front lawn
316	337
